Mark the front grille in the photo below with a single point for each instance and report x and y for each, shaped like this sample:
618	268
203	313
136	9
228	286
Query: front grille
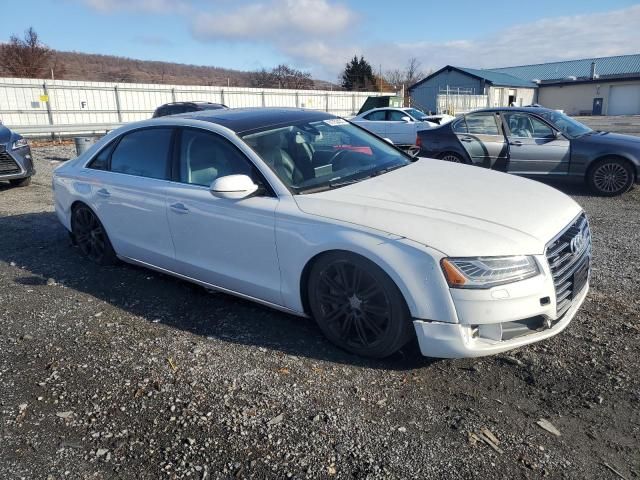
569	255
8	165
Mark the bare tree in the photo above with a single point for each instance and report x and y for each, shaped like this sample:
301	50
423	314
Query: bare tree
413	72
407	77
281	76
26	57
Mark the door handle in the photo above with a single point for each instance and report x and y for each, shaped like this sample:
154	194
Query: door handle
517	143
103	192
466	139
179	208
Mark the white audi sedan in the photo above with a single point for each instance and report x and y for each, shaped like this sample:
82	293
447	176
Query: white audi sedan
312	215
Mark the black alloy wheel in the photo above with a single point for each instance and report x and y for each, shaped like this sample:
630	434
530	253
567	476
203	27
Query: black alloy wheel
357	306
90	236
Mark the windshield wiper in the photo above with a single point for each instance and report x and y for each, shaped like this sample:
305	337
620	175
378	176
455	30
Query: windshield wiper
343	183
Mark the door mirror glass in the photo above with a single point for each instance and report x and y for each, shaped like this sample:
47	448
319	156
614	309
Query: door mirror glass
234	187
406	119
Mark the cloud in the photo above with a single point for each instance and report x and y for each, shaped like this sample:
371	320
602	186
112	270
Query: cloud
551	39
276	21
147	6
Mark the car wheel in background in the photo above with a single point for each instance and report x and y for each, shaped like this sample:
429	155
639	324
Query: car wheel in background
452	157
610	177
20	182
357	306
90	236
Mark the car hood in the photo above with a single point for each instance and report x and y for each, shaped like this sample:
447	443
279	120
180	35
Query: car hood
5	134
458	209
608	138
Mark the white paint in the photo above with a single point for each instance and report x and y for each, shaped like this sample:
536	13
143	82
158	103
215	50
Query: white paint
405	221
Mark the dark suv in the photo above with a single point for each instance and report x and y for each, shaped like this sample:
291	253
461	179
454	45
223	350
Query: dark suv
184	107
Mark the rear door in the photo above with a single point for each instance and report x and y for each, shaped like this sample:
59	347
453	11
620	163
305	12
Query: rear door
129	182
481	136
375	122
534	147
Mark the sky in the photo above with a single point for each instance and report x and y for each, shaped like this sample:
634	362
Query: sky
320	36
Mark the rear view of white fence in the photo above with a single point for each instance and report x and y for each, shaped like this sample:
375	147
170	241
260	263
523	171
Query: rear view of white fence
33	106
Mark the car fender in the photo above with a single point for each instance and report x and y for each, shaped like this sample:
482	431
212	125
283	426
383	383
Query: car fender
414	268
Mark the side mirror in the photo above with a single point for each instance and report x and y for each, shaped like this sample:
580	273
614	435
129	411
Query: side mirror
558	134
406	119
233	187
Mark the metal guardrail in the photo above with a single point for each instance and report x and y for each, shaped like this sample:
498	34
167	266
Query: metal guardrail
40	130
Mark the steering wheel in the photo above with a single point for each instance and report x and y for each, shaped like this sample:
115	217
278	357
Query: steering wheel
334	158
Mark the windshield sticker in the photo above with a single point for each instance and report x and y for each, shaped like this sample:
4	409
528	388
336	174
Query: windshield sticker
332	122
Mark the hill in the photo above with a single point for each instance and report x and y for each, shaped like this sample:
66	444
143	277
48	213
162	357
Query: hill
109	68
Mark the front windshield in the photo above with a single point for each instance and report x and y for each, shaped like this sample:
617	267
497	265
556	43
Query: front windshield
417	114
565	124
323	154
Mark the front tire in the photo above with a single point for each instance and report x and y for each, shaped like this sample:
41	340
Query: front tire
20	182
91	237
610	177
357	306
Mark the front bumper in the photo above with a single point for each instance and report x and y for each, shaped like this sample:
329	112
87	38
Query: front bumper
16	164
448	340
451	340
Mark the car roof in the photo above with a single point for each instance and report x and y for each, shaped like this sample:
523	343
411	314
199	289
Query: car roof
531	109
243	120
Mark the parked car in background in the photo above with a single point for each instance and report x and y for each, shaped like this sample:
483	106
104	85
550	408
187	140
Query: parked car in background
538	143
16	164
304	212
399	125
185	107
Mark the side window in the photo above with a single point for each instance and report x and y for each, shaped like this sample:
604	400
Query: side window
206	156
527	126
482	124
460	126
101	160
377	116
144	153
396	116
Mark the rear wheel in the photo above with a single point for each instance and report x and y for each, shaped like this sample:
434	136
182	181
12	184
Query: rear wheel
452	157
357	306
20	182
610	177
90	236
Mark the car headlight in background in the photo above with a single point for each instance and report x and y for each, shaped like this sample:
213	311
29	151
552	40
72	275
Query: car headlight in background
487	272
21	143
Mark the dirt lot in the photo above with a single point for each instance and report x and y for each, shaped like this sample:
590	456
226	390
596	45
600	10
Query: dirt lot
123	373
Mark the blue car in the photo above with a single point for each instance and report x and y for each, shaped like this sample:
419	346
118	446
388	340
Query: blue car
16	164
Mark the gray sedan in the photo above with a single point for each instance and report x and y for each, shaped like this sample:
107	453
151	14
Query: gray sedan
16	164
538	143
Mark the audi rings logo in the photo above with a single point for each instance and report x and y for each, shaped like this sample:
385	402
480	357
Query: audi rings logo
579	242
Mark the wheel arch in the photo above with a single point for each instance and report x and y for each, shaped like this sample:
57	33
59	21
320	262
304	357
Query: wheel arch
395	277
617	156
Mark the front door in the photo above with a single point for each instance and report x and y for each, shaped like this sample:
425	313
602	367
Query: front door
399	131
482	138
534	146
226	243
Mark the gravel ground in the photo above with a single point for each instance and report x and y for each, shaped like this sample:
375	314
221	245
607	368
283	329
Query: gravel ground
120	372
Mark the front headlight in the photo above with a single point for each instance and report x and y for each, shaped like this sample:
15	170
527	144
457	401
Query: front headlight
487	272
20	143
